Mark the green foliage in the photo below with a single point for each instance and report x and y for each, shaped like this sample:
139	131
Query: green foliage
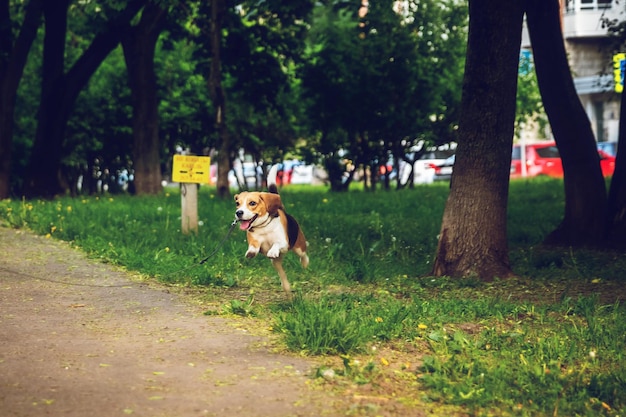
261	43
532	346
540	365
529	105
322	327
350	61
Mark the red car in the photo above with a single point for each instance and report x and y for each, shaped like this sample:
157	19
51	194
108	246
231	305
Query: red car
544	159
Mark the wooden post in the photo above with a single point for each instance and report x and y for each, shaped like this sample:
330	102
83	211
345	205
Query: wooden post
189	208
189	171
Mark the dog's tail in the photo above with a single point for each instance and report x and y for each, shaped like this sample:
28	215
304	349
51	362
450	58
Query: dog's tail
272	189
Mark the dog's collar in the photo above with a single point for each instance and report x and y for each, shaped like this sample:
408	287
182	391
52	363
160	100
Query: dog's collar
262	225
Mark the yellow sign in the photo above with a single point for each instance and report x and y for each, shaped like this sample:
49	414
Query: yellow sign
191	169
619	67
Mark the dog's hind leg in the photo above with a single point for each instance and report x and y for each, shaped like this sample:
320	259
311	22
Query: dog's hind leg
304	258
278	265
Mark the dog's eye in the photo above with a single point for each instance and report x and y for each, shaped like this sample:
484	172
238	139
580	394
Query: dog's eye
252	203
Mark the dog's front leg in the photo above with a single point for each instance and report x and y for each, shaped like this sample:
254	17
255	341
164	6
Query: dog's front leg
252	251
254	246
274	251
278	265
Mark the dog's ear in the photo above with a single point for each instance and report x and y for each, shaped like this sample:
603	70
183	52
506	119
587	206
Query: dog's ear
273	203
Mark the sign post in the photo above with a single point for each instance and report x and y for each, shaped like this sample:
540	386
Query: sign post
190	170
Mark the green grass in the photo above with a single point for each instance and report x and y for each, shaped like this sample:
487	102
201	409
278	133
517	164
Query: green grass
549	343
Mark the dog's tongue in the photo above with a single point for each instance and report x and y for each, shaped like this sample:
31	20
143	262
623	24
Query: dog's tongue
244	224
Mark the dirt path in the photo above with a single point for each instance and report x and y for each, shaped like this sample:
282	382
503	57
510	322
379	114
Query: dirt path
112	346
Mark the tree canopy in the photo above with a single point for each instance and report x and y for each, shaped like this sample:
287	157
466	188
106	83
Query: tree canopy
328	82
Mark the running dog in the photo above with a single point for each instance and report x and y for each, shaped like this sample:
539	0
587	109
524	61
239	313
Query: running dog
270	230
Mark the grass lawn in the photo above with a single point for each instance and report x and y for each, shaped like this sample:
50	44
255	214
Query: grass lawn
550	342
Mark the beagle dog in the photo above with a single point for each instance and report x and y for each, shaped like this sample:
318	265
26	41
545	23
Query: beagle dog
270	230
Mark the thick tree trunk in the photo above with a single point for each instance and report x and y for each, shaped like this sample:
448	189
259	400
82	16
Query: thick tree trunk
224	158
44	165
585	189
473	239
59	92
13	55
139	49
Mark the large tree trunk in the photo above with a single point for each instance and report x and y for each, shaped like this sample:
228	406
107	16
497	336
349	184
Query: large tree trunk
59	92
224	157
44	165
616	219
585	189
13	55
139	48
473	239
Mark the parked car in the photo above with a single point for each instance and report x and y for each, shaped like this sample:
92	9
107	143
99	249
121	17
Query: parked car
423	168
607	163
544	159
443	171
541	159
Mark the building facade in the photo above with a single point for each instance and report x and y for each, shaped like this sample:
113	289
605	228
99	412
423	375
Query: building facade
591	59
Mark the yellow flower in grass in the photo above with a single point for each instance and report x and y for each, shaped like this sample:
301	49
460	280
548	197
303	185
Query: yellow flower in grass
52	229
69	209
379	319
422	326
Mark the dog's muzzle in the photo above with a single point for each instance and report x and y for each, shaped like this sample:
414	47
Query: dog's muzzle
245	224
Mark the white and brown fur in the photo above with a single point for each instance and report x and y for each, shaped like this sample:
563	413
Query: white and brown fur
270	230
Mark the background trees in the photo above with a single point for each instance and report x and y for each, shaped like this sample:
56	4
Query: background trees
380	79
60	88
388	78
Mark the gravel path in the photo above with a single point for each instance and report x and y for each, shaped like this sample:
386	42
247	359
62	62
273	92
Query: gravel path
109	345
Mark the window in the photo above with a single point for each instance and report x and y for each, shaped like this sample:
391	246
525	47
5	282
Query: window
574	5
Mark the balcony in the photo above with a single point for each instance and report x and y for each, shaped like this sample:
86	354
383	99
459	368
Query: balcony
583	18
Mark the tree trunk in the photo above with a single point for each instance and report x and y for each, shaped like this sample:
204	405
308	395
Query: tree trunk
44	165
13	55
224	158
616	219
139	49
473	239
59	92
585	189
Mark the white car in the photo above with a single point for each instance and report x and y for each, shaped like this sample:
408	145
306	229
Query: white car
424	168
444	171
